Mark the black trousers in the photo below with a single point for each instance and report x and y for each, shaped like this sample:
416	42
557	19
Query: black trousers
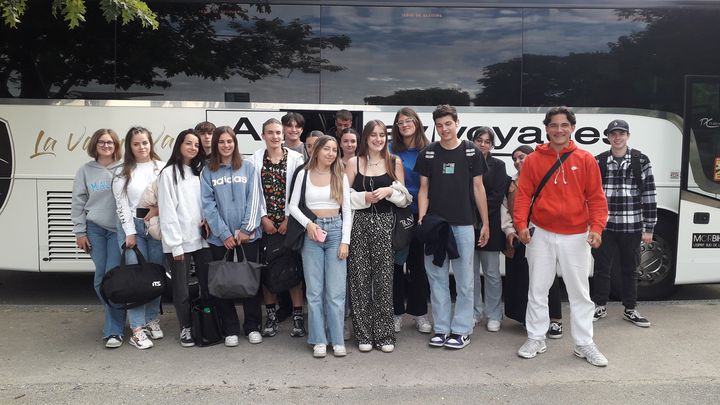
180	270
617	249
251	306
412	286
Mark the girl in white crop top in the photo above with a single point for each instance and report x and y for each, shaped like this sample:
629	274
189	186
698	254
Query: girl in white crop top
326	244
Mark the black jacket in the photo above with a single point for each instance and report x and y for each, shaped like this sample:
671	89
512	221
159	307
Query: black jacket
439	239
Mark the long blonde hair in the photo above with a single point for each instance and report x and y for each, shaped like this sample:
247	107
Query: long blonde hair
336	168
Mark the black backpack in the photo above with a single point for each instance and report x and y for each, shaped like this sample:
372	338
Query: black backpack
634	166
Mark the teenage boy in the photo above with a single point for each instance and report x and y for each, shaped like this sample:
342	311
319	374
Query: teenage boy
450	176
343	119
630	190
205	131
568	214
293	124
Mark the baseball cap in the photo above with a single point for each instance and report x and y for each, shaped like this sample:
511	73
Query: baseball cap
617	124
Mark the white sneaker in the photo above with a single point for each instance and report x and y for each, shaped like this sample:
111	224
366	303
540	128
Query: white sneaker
231	341
387	348
422	324
531	348
140	340
493	325
319	351
365	347
592	354
398	323
113	341
153	327
339	350
255	337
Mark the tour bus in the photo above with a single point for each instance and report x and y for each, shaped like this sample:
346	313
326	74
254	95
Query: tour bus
651	63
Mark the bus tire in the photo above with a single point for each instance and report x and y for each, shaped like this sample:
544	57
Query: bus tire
656	271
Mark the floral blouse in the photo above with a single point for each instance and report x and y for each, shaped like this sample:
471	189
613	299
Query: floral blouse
273	184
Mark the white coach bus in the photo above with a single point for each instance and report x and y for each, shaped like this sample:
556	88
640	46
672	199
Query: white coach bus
650	62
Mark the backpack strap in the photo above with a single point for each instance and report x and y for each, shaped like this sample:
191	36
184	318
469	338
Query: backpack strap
636	168
602	162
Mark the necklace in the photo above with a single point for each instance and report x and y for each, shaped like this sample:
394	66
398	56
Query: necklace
375	163
320	172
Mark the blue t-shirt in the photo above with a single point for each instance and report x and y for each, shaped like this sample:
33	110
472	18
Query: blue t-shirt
412	179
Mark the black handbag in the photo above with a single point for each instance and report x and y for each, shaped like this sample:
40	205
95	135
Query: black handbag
295	235
133	285
283	269
231	279
403	227
205	324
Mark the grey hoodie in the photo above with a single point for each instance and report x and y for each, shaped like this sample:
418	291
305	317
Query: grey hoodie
92	197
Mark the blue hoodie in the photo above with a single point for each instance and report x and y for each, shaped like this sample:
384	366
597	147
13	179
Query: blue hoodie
231	201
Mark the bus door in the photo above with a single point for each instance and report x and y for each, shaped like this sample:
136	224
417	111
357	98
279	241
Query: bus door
698	243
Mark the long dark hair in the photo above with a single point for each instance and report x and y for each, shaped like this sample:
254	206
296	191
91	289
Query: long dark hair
129	157
214	161
176	158
364	150
419	139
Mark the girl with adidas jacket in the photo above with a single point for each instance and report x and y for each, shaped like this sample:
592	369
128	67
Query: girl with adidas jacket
180	222
231	200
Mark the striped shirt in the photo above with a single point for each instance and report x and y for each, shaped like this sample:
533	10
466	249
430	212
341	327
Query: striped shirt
629	212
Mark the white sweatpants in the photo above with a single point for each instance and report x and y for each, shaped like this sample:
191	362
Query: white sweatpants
569	255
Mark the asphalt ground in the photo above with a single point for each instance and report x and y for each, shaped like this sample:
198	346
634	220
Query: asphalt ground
54	354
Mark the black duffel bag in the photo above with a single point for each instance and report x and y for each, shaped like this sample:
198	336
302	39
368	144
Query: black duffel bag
133	285
284	267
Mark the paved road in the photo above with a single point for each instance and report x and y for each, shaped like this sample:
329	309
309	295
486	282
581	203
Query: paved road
52	352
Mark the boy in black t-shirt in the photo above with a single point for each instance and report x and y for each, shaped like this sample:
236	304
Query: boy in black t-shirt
450	177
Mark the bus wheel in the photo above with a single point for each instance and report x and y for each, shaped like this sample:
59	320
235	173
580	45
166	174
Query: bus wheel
656	272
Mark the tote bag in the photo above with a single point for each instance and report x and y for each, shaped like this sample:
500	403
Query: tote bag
234	279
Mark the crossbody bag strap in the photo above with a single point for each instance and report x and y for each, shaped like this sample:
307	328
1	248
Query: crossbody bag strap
545	180
302	189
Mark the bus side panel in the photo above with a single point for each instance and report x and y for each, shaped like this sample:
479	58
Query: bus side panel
19	226
698	245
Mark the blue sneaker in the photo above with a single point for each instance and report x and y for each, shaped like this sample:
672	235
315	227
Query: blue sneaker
438	340
456	341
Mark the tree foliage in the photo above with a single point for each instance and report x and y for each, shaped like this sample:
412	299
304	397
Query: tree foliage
73	11
213	41
431	96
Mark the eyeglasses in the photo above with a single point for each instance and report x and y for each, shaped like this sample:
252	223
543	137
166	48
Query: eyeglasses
106	143
405	122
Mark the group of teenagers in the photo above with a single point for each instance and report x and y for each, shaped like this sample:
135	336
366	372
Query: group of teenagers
206	200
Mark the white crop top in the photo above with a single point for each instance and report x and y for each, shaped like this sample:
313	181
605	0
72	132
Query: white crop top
318	197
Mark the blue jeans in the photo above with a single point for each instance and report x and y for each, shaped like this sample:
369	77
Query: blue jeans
490	263
151	249
461	322
105	255
325	278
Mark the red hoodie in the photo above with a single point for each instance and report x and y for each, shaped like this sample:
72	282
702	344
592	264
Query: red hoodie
572	199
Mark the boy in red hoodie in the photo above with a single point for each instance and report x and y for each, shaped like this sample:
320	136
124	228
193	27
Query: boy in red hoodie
568	218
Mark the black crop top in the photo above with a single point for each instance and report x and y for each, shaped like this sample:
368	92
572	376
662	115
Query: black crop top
371	183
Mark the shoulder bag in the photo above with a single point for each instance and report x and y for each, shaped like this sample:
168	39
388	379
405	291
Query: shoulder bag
283	269
295	235
231	279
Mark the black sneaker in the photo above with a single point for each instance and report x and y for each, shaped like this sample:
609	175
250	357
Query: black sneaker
555	331
634	316
186	339
456	341
298	329
600	312
438	340
271	325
